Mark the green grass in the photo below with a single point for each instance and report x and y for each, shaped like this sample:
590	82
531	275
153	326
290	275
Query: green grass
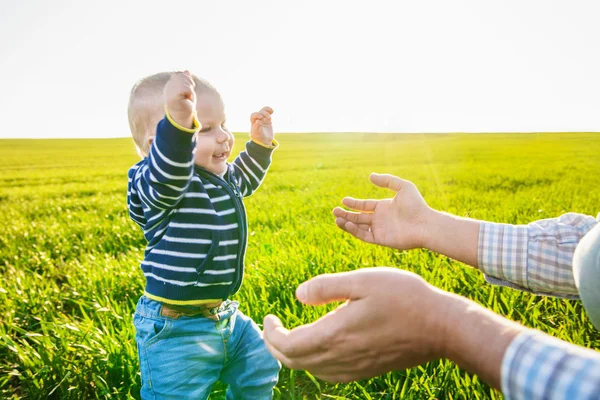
69	254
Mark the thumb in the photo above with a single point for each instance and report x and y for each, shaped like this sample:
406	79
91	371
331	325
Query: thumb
327	288
387	181
271	323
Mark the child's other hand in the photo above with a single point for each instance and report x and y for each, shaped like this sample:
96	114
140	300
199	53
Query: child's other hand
180	98
262	128
399	222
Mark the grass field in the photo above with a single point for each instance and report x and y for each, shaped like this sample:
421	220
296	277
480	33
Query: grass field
69	255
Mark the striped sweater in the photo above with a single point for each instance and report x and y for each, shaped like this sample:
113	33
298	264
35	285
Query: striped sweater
194	220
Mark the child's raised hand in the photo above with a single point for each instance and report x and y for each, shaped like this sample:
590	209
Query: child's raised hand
180	99
262	127
399	222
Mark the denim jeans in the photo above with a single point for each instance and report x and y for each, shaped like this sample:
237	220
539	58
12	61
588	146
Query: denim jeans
182	358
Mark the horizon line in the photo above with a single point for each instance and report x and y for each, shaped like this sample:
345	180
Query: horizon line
329	132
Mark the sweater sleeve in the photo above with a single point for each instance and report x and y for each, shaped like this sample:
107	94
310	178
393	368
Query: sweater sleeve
161	181
251	166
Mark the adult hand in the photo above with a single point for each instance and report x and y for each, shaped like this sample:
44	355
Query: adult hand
399	222
392	319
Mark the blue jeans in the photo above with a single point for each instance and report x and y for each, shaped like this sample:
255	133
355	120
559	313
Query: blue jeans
182	358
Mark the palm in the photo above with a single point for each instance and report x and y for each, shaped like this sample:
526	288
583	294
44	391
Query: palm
392	222
393	225
386	223
262	131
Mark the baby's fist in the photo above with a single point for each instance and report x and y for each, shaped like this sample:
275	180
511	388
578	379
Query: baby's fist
262	127
180	98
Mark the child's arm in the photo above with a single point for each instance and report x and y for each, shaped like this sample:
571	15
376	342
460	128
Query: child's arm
251	166
535	257
163	179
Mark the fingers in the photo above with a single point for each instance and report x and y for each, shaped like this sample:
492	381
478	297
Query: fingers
327	288
362	205
357	218
264	115
387	181
187	75
358	224
256	125
189	78
266	110
180	99
294	348
276	336
362	232
302	341
255	116
186	82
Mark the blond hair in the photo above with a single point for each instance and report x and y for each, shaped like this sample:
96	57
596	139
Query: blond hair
146	107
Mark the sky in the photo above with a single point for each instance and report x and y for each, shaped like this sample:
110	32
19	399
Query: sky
66	67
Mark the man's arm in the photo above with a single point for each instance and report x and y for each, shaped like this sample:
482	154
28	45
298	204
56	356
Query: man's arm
535	257
340	347
537	366
523	363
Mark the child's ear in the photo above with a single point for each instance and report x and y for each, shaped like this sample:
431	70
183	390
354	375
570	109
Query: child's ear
150	140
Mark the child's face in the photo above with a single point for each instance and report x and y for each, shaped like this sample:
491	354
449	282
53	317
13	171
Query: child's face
214	142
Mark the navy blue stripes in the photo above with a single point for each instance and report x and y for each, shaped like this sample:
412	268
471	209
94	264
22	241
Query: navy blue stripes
191	217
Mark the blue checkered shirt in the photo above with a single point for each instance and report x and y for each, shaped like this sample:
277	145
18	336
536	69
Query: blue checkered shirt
538	258
538	366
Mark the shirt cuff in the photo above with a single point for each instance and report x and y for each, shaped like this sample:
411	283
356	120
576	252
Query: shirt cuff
499	282
502	252
274	144
174	143
260	152
195	122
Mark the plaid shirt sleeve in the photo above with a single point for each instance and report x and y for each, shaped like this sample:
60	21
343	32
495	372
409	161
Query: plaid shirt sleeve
536	257
537	366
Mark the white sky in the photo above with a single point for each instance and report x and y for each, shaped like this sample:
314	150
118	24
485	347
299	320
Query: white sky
66	67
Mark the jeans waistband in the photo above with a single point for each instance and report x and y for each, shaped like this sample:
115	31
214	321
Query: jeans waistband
210	311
